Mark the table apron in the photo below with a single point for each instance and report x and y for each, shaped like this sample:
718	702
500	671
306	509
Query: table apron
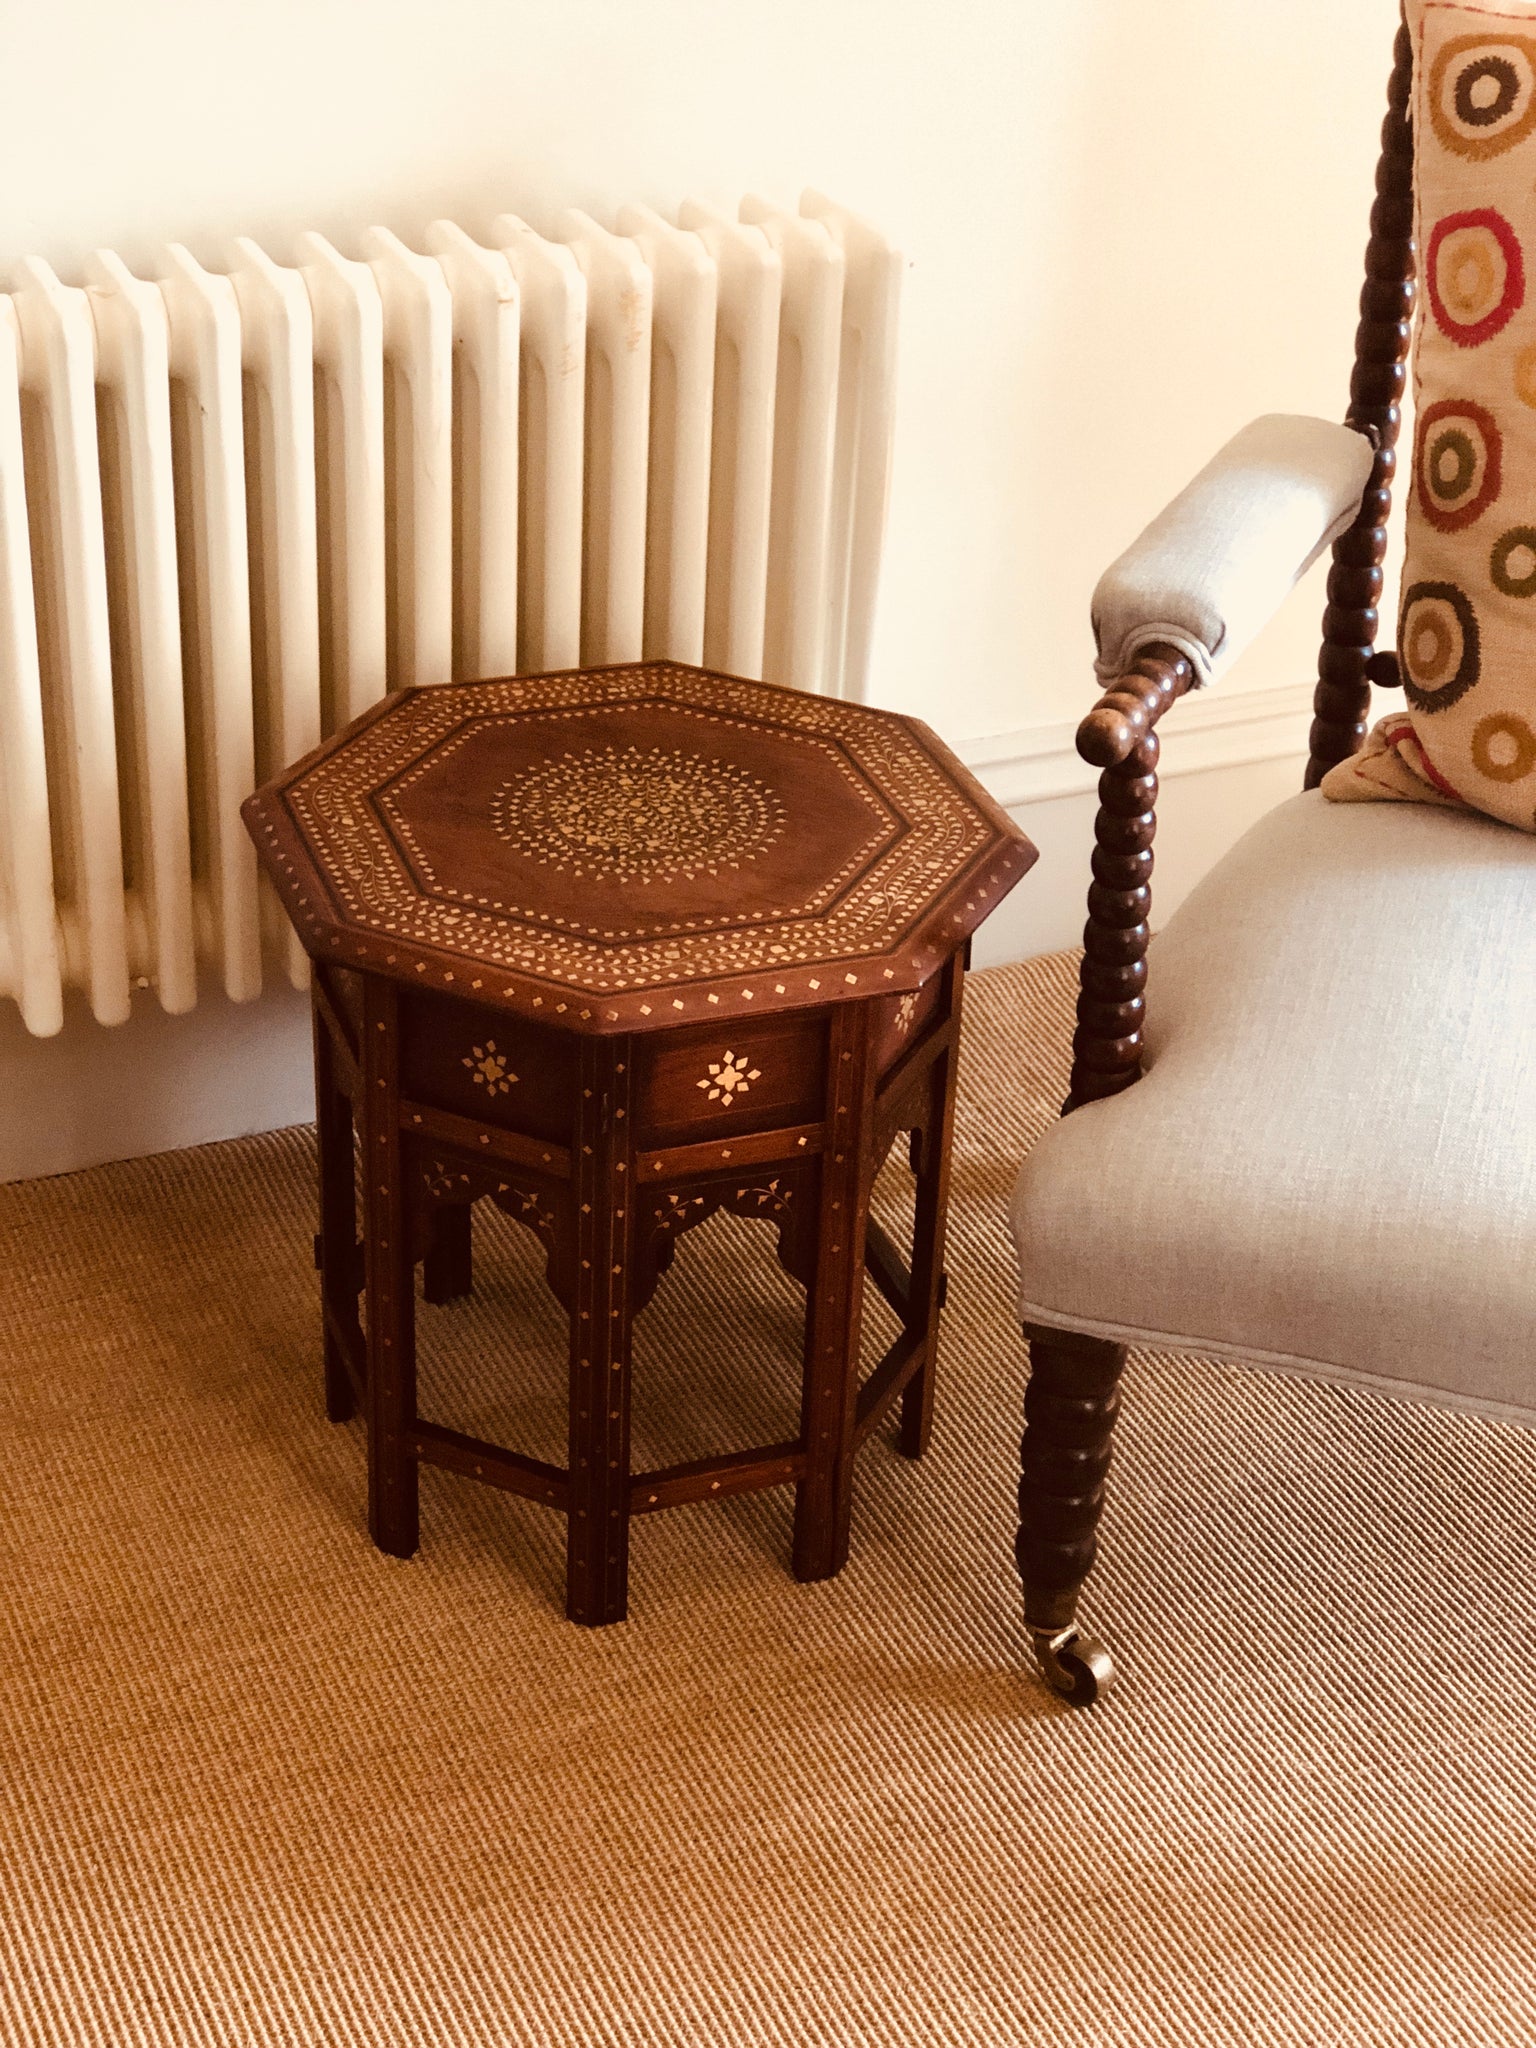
716	1155
344	1049
891	1105
485	1141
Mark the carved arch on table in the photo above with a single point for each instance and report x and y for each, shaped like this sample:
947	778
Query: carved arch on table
445	1179
910	1112
782	1195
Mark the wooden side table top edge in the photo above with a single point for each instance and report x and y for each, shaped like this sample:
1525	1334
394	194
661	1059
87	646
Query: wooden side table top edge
904	962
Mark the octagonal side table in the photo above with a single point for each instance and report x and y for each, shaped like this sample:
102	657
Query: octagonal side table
616	949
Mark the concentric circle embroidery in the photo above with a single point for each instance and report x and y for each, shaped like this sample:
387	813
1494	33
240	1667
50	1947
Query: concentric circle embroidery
627	815
1475	275
1525	376
1512	565
1482	94
1459	463
1503	747
1439	645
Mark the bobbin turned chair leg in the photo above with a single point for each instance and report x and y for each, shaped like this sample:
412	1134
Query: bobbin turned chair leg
1069	1416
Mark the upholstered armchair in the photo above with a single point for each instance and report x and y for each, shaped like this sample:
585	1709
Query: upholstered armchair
1301	1134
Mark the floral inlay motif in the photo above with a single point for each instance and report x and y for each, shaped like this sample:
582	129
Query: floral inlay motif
490	1069
447	1182
527	1208
632	815
906	1009
443	1182
729	1077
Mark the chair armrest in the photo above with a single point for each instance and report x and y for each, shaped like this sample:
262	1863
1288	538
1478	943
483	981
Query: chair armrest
1129	709
1178	606
1215	564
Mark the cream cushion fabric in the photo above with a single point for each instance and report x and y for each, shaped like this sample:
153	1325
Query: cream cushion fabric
1215	564
1330	1162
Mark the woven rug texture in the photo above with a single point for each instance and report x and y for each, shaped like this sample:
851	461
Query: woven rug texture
260	1785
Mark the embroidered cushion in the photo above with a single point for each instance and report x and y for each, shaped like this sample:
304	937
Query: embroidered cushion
1467	614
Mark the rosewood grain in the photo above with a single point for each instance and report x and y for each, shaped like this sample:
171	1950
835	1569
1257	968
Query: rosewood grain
933	1140
448	1260
603	1192
391	1320
336	1248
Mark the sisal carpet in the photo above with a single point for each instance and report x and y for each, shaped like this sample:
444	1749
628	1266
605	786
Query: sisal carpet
259	1785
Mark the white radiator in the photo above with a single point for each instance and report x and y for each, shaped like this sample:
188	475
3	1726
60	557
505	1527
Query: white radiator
238	506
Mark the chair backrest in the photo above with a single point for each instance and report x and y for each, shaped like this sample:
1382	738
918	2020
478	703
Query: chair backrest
1348	662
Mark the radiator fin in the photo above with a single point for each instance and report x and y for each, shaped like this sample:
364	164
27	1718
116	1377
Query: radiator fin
58	353
29	948
749	283
804	441
239	502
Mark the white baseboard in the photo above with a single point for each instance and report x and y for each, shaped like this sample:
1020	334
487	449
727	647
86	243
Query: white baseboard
161	1082
153	1084
1207	730
1225	761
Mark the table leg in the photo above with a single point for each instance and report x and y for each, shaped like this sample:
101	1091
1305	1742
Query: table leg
448	1270
834	1310
597	1527
337	1244
925	1296
392	1472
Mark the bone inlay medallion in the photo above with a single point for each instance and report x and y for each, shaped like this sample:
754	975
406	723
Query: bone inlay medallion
490	1069
729	1078
633	815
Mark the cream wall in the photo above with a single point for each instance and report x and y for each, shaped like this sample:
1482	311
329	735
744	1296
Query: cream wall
1130	227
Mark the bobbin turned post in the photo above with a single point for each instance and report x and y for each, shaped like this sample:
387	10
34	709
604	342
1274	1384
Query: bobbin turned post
1072	1400
1347	664
1118	736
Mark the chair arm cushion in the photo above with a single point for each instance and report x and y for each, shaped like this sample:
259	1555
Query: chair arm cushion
1214	566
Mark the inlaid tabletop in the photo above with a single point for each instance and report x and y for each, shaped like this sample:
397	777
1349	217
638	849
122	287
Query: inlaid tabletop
625	848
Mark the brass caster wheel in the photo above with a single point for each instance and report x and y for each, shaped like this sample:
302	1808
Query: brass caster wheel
1074	1665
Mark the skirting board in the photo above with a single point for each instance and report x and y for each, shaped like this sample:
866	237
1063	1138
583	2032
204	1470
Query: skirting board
224	1070
1225	761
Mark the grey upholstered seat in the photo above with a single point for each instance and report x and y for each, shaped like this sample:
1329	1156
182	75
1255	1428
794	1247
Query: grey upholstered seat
1330	1162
